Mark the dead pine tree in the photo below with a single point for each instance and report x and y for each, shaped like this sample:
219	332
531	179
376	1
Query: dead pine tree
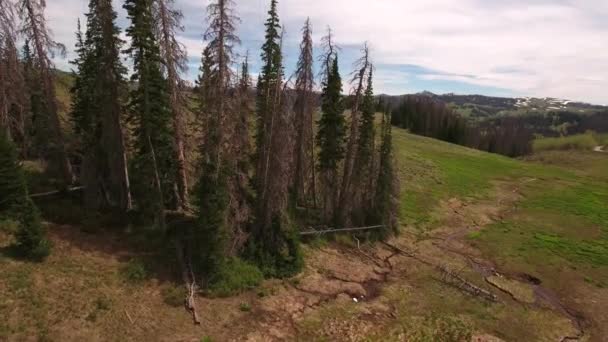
358	80
175	59
34	29
219	221
9	70
240	158
304	187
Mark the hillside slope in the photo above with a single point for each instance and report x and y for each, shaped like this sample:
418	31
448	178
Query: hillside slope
533	235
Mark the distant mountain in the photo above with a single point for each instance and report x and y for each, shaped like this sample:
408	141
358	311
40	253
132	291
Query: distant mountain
479	107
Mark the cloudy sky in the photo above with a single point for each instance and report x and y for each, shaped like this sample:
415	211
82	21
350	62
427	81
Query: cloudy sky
543	48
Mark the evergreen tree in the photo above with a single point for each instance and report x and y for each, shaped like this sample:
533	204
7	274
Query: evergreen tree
153	164
273	243
364	159
330	138
268	85
386	199
97	110
15	204
203	94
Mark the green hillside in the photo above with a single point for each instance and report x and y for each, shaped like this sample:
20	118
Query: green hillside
545	217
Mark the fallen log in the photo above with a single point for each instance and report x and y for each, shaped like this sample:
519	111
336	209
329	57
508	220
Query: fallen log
453	279
189	282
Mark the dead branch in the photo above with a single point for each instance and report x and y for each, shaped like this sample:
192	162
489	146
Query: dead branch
452	278
189	282
129	317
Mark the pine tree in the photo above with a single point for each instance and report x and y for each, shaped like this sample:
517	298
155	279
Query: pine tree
364	159
330	138
97	110
15	204
304	187
153	165
273	243
269	82
386	201
203	95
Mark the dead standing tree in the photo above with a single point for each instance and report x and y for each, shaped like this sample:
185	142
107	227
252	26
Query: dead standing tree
226	133
359	81
8	55
304	186
35	30
175	59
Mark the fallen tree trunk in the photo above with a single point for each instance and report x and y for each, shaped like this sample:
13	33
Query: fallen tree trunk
189	282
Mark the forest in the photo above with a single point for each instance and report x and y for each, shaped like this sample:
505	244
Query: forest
228	173
509	135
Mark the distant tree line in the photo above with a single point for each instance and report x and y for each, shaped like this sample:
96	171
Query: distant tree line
423	115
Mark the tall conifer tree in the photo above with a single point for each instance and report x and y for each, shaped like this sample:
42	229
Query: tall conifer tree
97	110
386	201
274	241
364	159
330	139
153	164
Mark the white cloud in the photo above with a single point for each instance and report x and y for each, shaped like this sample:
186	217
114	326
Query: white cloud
553	48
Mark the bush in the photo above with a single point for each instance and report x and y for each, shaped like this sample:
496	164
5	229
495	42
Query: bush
135	271
277	250
174	295
15	204
234	277
31	238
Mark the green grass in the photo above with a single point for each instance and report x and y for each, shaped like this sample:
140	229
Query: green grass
432	170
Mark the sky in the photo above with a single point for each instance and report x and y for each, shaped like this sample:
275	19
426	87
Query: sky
512	48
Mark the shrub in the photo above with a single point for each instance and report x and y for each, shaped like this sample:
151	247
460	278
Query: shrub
277	250
31	235
15	204
174	295
234	277
245	307
135	271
